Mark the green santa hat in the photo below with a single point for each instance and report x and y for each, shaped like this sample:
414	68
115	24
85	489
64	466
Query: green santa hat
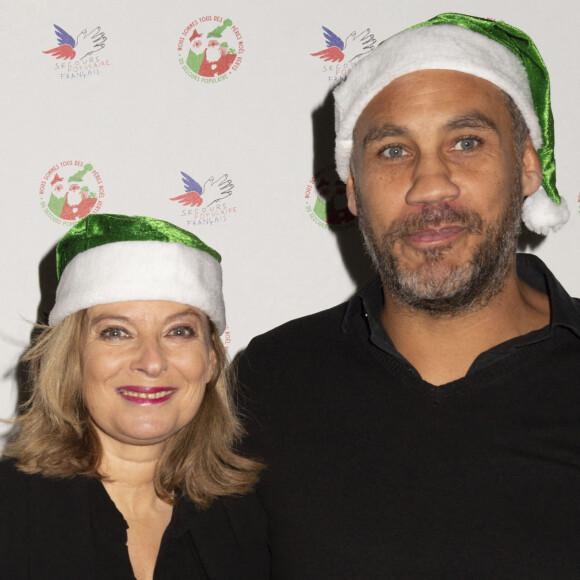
110	258
491	50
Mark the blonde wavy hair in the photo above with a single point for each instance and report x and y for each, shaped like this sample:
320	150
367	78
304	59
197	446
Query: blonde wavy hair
55	435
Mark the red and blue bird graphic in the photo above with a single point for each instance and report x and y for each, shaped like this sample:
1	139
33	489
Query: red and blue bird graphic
212	192
85	44
193	192
338	50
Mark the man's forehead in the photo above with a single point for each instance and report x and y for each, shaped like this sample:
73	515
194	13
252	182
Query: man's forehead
459	92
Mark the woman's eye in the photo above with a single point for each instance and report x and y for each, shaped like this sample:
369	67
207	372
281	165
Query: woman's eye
182	331
466	144
394	152
113	333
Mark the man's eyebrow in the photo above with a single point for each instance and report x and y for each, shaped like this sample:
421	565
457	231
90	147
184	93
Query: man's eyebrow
472	121
380	132
469	121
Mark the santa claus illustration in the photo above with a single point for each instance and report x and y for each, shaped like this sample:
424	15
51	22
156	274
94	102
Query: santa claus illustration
78	203
208	57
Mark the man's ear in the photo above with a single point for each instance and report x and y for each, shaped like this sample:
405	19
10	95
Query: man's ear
350	195
531	169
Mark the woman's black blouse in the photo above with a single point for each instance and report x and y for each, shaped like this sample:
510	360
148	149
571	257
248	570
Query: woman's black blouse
70	528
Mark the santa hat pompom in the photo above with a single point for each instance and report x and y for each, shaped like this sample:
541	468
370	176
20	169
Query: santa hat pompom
541	214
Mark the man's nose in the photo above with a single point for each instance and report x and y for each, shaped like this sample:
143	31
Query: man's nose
432	182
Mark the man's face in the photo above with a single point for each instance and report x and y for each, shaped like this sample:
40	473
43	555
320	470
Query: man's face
438	189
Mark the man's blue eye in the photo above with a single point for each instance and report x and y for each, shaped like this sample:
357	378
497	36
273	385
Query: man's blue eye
465	144
394	152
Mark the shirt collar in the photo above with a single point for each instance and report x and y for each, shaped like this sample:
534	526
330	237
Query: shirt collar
565	310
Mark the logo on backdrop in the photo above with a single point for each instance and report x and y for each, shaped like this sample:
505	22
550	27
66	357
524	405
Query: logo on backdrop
210	49
227	338
70	190
325	198
206	205
339	54
77	58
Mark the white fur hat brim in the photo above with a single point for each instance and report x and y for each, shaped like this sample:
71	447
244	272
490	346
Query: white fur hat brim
441	46
141	270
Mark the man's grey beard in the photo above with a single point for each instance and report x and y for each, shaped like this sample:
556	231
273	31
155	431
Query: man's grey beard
441	290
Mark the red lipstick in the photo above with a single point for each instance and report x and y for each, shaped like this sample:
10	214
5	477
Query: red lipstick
146	395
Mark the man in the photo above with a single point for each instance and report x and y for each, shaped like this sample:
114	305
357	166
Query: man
430	427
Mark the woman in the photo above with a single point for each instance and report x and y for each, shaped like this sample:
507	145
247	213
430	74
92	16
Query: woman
122	459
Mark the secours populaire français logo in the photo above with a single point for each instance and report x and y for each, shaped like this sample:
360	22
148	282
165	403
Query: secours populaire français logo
79	56
210	49
70	190
340	51
208	204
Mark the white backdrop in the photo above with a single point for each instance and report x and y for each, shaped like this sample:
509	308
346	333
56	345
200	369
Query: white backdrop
116	129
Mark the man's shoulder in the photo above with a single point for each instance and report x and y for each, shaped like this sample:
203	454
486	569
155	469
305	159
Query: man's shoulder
309	328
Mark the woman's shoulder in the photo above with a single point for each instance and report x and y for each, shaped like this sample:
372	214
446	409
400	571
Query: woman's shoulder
8	466
245	512
235	525
33	495
14	519
12	478
244	515
45	525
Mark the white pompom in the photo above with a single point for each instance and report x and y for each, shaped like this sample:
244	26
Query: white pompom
541	214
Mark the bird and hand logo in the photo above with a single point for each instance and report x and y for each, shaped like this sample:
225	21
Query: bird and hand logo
339	54
206	204
78	57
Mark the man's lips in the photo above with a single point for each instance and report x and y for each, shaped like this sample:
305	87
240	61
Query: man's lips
434	235
146	395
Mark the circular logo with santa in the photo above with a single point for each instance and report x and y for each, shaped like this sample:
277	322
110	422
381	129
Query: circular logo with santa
325	198
70	190
210	49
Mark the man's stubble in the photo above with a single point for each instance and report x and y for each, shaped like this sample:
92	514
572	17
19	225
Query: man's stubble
435	287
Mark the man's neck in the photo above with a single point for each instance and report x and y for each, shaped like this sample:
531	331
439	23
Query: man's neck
442	348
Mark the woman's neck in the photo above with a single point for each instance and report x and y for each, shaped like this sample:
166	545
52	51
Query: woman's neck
129	472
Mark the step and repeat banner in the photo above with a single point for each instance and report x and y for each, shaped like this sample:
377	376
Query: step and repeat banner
218	117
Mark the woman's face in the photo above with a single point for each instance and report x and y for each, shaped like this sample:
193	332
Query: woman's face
145	365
